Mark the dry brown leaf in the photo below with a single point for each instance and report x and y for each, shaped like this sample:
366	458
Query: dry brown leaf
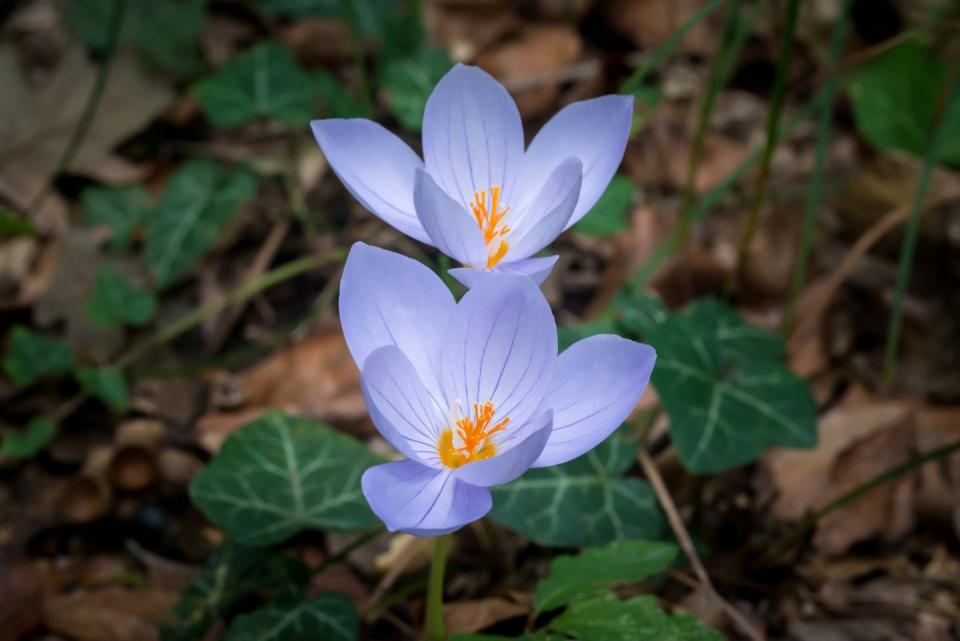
315	378
529	63
859	439
647	23
472	616
316	41
23	585
467	29
109	614
36	122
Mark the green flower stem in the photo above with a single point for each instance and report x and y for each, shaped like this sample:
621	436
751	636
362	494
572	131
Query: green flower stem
908	247
812	203
773	132
433	620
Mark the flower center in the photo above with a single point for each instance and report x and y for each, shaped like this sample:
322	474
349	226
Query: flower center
471	442
489	218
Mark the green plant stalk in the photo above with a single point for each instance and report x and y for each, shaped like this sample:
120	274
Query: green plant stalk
710	200
359	64
773	126
908	247
812	203
865	488
117	15
734	35
433	619
650	62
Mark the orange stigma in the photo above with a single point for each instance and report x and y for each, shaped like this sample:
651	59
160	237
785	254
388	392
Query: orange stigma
489	219
474	435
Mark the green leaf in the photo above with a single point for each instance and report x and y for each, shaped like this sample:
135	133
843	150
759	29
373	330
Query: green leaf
583	502
337	99
198	202
638	619
535	636
738	339
235	574
609	215
34	438
638	312
11	225
409	82
106	383
596	569
895	96
263	82
567	336
726	410
31	356
369	14
115	301
122	209
165	34
330	617
280	475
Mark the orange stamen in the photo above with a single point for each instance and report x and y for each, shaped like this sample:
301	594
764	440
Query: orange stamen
474	434
489	219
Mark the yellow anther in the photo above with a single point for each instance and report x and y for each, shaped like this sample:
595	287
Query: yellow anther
473	434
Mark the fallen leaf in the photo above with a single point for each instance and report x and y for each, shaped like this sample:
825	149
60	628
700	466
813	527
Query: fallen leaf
529	63
23	585
314	378
109	614
36	121
648	23
473	616
859	439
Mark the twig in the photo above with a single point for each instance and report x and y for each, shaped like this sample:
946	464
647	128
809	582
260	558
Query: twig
89	109
260	263
683	537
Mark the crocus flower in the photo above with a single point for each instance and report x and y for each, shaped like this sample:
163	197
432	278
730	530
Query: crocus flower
472	393
477	195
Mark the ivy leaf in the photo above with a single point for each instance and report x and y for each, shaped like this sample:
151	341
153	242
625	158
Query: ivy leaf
165	34
335	97
11	225
32	356
198	202
280	475
264	82
106	383
726	411
607	618
738	339
234	574
895	95
583	502
609	215
409	82
595	569
30	441
534	636
330	617
122	209
567	336
115	301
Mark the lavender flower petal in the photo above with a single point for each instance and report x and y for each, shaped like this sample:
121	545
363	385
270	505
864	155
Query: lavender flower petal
596	132
516	453
419	500
597	384
376	167
451	229
548	212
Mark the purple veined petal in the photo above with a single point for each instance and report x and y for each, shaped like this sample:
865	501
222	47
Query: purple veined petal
376	167
520	448
472	134
500	346
389	299
451	229
402	409
596	132
597	383
548	212
419	500
537	269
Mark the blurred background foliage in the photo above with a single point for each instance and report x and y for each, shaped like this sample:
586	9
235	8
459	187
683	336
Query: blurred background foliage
182	426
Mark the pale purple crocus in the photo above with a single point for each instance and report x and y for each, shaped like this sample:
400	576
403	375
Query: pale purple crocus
477	196
472	393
